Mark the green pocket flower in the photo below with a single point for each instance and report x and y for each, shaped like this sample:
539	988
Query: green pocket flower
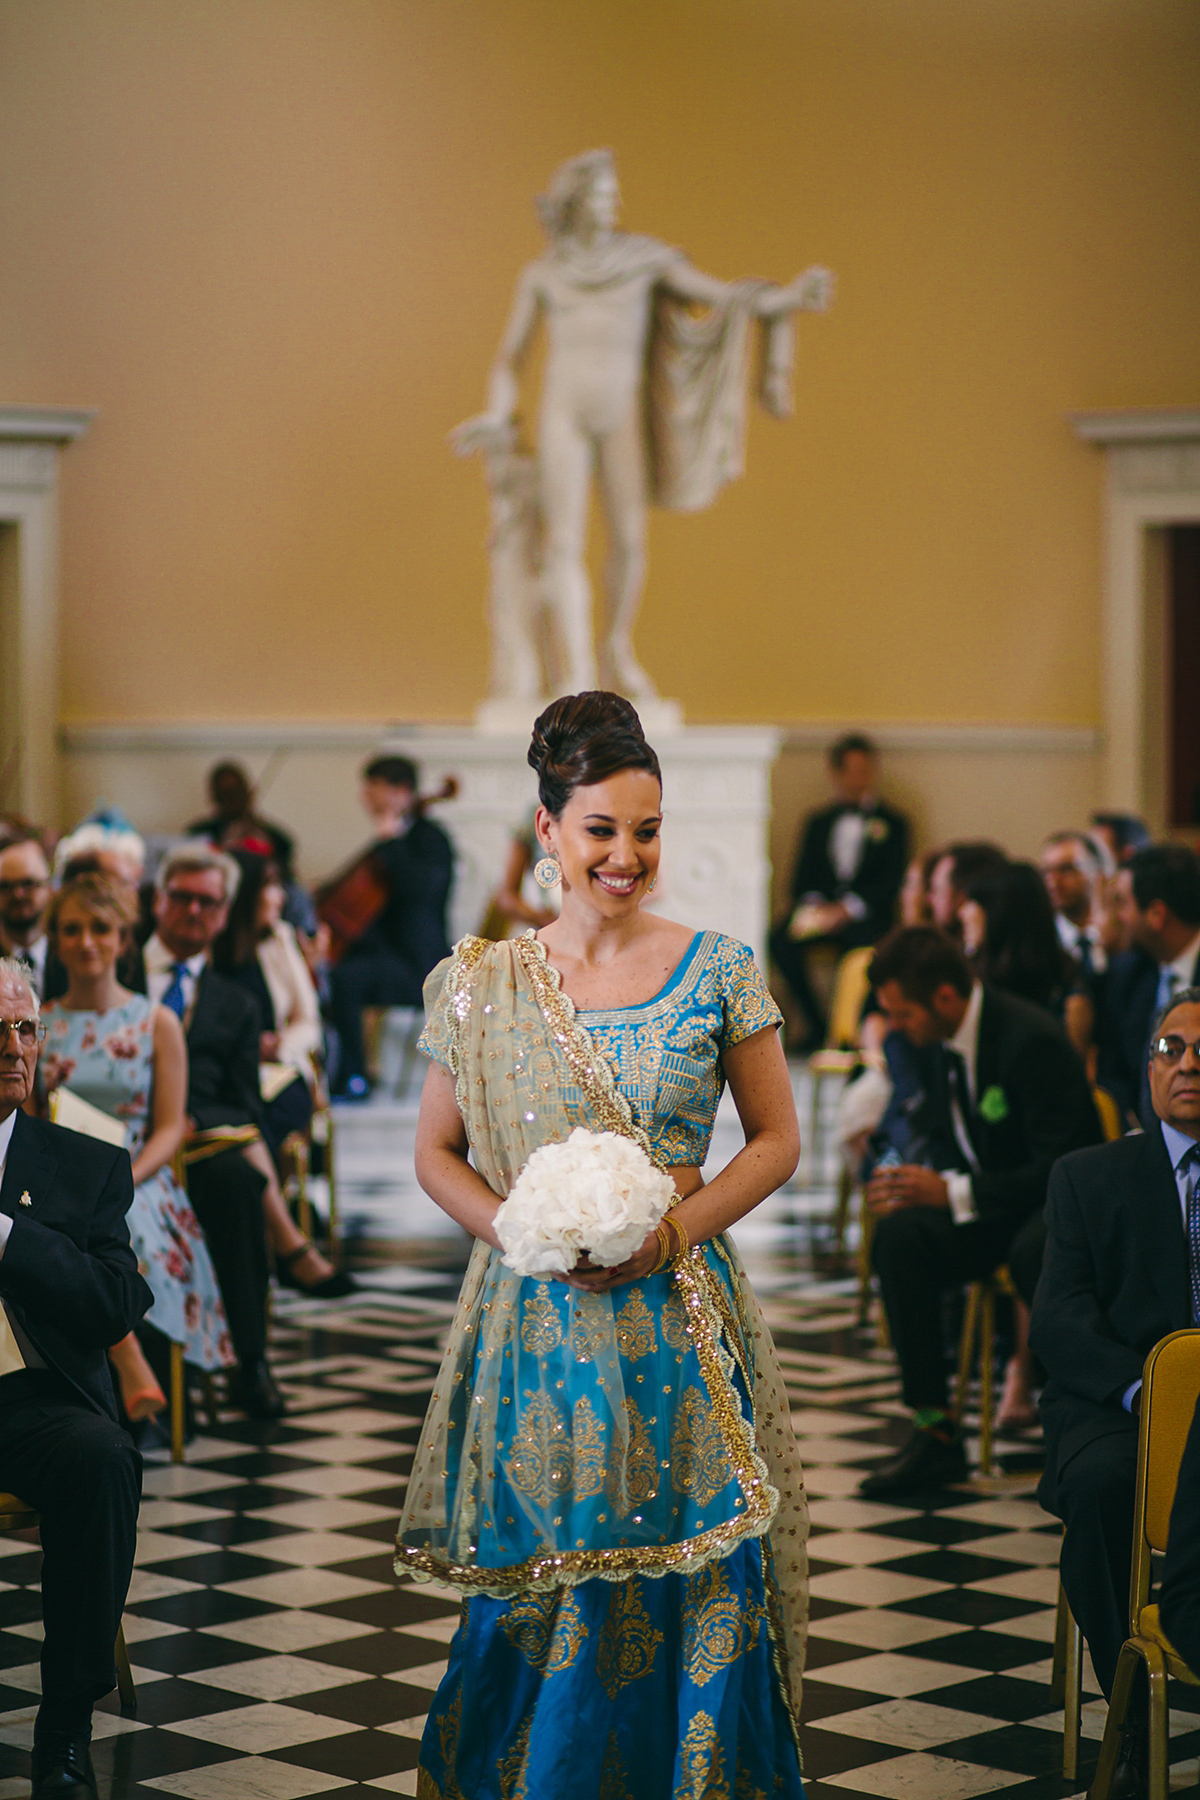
994	1105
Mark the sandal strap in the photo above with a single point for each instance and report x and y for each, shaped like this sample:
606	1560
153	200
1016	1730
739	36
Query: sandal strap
293	1256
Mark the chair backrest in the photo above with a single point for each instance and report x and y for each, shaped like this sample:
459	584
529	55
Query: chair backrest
849	991
1108	1112
1170	1392
14	1514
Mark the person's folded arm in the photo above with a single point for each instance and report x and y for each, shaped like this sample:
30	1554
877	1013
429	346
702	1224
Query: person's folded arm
1069	1333
93	1295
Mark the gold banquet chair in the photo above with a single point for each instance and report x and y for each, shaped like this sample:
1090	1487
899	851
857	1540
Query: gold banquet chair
16	1516
1170	1392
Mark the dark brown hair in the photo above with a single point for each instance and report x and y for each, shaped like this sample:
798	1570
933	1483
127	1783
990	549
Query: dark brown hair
920	959
585	738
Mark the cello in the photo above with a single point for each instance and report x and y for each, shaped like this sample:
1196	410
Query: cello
350	901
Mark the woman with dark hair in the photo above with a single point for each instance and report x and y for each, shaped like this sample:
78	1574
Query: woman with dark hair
1011	939
607	1472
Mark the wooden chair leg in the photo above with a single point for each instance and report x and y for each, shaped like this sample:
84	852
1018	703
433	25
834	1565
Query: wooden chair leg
841	1215
966	1351
1072	1693
125	1687
178	1403
1058	1665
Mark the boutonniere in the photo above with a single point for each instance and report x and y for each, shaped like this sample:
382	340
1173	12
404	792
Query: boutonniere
994	1105
877	830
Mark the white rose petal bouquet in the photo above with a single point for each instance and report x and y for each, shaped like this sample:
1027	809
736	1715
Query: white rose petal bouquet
597	1192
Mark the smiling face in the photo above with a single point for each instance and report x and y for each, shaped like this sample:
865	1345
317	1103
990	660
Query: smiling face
88	942
607	841
1175	1087
17	1060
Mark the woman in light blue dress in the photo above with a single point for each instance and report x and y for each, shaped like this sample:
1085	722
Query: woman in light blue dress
607	1470
127	1057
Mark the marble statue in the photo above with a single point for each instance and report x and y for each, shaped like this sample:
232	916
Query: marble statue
638	388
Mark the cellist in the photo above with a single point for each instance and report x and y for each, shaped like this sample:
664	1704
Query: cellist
387	913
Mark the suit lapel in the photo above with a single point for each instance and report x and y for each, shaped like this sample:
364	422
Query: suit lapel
29	1170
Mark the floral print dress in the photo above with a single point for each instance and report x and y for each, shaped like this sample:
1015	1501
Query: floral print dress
108	1060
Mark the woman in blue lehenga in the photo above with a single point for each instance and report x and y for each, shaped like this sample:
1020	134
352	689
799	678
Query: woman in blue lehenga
607	1471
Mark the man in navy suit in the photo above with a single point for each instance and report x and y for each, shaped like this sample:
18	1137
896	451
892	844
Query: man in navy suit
1158	906
69	1287
848	874
1121	1270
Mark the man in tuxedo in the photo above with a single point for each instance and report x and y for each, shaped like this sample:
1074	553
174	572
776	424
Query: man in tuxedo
388	964
1158	909
24	897
193	891
847	877
1000	1094
69	1287
1121	1270
1071	869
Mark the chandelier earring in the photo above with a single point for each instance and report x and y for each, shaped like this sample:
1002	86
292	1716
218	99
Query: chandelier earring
546	872
652	884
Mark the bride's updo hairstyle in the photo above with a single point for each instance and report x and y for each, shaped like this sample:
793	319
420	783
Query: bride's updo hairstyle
585	738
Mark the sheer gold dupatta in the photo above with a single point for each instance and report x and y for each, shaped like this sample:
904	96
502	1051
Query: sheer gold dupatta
526	1074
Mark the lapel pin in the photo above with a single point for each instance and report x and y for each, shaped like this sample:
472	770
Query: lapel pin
25	1199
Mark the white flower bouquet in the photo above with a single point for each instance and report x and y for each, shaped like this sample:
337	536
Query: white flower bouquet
597	1192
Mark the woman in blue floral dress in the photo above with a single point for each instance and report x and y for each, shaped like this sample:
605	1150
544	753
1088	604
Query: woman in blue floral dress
127	1057
607	1471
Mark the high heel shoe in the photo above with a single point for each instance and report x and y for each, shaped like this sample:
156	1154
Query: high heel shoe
334	1287
141	1396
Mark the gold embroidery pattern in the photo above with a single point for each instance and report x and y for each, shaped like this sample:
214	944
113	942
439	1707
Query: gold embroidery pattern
591	1322
613	1785
700	1465
512	1770
641	1464
744	1788
635	1328
448	1730
548	1629
675	1323
702	1766
588	1449
713	1625
540	1463
541	1327
628	1640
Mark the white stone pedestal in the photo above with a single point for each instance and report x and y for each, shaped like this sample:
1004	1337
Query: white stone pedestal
716	805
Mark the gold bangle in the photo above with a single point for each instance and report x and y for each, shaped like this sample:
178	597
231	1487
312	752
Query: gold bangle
664	1249
684	1245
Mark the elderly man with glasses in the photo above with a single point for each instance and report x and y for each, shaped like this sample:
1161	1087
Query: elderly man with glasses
69	1287
1121	1270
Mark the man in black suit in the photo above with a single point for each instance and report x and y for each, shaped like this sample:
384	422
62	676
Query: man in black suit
1158	908
69	1287
1000	1095
388	964
1121	1270
848	874
193	891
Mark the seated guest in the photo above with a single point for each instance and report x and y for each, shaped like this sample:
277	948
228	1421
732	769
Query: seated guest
847	876
1122	1251
1158	906
126	1056
1122	833
69	1287
259	951
235	1191
234	825
388	962
106	845
1071	870
953	869
24	897
1179	1597
998	1093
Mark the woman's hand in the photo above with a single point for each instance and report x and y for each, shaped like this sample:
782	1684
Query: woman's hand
597	1280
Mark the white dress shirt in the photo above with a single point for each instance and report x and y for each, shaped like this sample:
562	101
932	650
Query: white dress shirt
34	957
160	968
32	1359
1182	969
966	1042
1072	938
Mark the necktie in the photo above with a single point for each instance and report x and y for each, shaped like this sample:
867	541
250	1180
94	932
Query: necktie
1191	1163
960	1106
174	994
1083	950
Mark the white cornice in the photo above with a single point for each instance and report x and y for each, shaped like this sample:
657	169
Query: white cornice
1137	425
44	424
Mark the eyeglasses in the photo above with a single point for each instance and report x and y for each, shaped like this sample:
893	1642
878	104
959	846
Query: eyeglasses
29	1031
1170	1049
26	883
182	898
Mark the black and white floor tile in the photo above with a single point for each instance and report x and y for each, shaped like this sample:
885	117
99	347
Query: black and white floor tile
277	1658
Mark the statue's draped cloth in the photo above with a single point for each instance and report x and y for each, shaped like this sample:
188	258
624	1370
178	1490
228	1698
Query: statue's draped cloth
575	1436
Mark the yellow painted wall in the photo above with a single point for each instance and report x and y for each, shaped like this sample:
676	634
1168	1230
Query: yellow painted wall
274	242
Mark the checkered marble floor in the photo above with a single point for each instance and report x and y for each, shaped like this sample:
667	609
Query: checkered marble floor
277	1657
